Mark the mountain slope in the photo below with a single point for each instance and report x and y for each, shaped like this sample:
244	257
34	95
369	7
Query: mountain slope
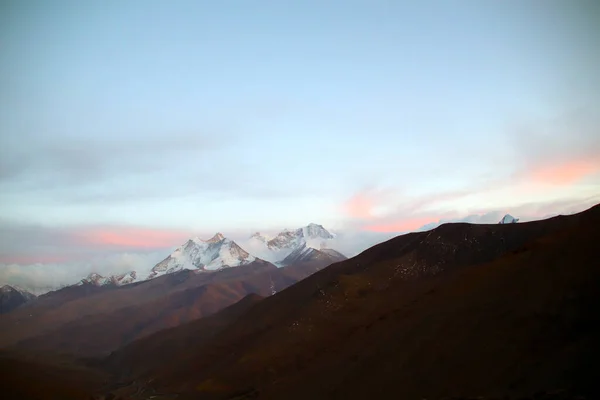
460	310
305	254
12	297
42	377
172	340
109	319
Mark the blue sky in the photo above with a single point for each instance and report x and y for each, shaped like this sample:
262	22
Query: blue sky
197	116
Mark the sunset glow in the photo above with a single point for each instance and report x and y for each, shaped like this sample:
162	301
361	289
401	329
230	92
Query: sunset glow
134	238
566	173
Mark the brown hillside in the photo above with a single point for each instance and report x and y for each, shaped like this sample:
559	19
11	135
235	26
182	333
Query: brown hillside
150	307
461	310
27	376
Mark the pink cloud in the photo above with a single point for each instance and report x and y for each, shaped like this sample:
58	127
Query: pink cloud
565	173
359	206
403	225
141	238
402	216
32	258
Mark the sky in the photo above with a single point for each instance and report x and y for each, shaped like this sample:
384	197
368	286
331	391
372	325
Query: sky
128	126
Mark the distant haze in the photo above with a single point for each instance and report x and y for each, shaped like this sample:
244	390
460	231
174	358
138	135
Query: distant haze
127	127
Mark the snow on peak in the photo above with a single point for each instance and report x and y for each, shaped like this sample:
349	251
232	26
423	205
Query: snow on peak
216	238
210	255
295	239
314	231
116	280
8	289
96	279
219	252
286	242
124	279
508	219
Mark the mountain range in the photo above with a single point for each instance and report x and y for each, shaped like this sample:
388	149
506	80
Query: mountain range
480	311
197	279
303	245
462	311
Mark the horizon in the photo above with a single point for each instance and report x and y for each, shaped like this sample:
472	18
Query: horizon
38	279
129	127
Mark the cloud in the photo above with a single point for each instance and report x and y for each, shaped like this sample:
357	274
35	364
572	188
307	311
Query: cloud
128	170
33	244
135	238
429	211
40	278
64	160
403	225
41	259
544	158
114	169
117	250
491	217
360	206
558	151
566	173
368	202
383	211
524	212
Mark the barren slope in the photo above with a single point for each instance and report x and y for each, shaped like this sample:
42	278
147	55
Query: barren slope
461	310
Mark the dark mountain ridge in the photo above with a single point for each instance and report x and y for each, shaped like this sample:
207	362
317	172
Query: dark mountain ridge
460	310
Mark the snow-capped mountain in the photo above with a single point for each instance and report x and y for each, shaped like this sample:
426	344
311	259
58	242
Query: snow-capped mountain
508	219
14	288
209	255
312	234
306	244
290	243
12	297
116	280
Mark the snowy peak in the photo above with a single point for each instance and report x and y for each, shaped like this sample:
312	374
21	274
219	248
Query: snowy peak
96	280
210	255
314	231
508	219
296	244
308	243
8	290
284	239
13	297
114	280
217	238
295	239
124	279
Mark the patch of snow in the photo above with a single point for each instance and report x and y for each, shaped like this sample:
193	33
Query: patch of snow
508	219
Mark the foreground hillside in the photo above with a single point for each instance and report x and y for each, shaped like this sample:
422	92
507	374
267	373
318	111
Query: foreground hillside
41	377
462	310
